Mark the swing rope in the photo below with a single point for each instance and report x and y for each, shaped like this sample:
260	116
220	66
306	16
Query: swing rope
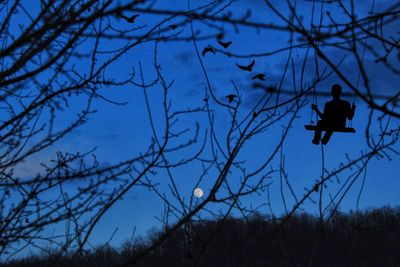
315	99
362	58
315	102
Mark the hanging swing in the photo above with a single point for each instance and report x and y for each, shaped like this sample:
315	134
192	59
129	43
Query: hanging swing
313	127
349	129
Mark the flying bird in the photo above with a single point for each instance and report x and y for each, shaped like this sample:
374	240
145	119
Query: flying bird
260	76
130	19
208	49
231	97
225	44
248	67
172	26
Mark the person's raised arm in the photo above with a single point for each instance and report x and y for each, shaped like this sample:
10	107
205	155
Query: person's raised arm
315	108
350	111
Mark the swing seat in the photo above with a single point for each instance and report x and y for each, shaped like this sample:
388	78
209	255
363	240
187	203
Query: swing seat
340	130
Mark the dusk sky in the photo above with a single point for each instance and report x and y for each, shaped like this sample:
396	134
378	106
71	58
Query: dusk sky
119	132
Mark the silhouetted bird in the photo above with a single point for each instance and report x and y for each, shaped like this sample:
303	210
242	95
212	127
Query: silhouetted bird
208	49
231	97
225	44
260	76
254	114
172	26
248	67
130	19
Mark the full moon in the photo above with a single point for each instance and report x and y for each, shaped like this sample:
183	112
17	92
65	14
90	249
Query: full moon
198	192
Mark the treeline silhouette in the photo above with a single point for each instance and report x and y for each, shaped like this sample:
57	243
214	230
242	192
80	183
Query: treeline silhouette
367	238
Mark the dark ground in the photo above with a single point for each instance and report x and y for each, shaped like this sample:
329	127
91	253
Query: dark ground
369	238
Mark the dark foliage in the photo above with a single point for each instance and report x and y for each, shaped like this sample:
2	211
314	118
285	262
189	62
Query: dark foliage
369	238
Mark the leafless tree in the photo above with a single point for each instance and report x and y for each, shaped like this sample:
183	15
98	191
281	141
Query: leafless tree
42	74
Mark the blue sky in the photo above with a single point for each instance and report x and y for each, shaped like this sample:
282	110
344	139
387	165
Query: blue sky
303	160
120	132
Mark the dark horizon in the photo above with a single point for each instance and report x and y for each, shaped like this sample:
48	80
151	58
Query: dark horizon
357	238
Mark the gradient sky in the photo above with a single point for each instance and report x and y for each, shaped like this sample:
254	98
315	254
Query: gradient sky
120	132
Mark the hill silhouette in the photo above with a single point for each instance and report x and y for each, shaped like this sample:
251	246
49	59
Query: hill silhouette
367	238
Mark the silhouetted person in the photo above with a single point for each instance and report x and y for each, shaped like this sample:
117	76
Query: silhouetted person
334	117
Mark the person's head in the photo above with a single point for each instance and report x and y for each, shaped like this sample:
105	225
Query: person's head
336	91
